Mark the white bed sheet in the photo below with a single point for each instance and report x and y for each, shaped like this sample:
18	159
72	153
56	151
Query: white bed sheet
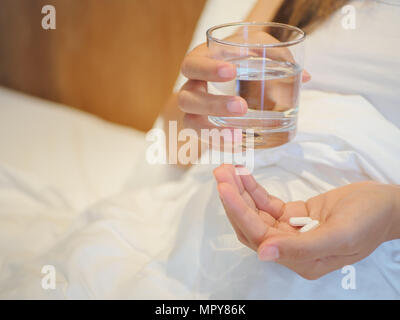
173	240
50	145
74	155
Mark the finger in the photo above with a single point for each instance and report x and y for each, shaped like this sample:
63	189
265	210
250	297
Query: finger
222	139
267	218
199	122
235	172
295	247
293	209
195	85
200	102
262	199
226	173
200	67
249	222
241	237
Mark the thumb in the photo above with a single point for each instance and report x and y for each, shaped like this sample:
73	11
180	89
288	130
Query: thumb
315	244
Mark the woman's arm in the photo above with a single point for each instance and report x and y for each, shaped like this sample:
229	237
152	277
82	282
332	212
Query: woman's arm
264	10
395	233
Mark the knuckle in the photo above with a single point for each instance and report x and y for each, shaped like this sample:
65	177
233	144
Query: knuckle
185	67
188	120
183	98
289	207
217	106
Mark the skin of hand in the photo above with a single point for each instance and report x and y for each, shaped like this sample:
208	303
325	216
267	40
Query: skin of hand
354	221
264	10
194	100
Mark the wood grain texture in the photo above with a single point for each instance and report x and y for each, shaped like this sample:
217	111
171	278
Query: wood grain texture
117	59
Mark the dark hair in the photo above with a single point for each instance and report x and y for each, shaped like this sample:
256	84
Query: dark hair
307	14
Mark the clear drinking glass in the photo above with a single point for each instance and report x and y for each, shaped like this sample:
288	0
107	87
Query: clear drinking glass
269	61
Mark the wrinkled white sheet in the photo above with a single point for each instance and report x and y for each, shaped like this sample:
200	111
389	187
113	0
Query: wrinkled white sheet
172	239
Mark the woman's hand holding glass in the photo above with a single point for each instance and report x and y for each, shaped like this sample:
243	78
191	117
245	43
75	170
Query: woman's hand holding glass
194	100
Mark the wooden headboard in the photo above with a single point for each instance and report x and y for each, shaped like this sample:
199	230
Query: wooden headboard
117	59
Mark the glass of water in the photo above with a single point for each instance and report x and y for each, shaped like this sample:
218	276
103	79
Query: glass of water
269	61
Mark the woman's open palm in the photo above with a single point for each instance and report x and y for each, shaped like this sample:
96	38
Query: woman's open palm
355	219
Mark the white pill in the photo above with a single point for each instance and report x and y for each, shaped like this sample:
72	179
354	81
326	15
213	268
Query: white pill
310	226
299	221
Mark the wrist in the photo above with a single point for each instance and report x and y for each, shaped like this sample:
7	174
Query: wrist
395	229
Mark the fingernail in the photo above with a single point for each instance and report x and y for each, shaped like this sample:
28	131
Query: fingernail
226	72
236	106
269	253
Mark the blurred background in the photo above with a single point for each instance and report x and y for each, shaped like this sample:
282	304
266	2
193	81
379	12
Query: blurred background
117	59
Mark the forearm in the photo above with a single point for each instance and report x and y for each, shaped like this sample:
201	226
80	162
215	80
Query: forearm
395	234
264	10
171	112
